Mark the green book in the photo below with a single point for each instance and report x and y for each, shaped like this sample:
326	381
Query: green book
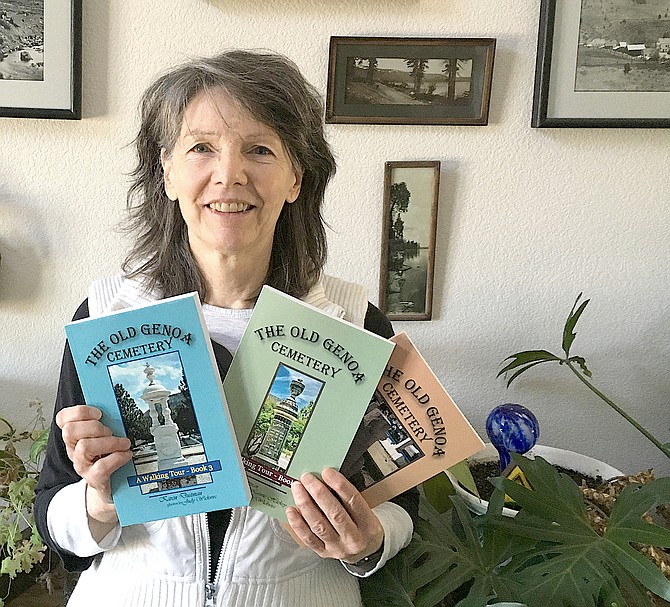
297	389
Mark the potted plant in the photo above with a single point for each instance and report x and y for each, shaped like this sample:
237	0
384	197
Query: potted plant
469	481
550	554
21	547
523	361
566	547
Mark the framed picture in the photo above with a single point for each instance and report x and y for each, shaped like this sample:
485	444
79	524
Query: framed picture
410	80
411	191
40	59
603	67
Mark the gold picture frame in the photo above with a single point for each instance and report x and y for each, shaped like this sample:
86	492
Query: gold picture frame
379	80
411	192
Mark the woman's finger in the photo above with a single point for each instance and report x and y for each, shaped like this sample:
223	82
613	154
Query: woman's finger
95	459
100	471
75	431
303	531
360	513
77	413
310	499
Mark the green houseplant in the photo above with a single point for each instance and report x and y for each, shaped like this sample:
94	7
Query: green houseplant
523	361
567	547
21	547
548	555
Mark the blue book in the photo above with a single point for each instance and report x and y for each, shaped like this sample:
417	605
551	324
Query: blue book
152	372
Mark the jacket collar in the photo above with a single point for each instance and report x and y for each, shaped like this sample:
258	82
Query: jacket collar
131	292
317	298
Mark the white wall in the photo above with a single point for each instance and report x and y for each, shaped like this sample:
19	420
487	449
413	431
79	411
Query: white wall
528	217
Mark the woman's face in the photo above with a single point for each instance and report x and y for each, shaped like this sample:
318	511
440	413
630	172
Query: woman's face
231	177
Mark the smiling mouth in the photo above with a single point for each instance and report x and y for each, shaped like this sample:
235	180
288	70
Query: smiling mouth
229	207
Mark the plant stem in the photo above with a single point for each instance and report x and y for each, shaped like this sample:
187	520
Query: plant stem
665	449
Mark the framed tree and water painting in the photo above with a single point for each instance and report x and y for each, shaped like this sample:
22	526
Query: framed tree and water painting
411	191
603	64
40	58
410	80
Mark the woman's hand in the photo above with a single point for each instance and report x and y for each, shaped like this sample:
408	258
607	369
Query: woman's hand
332	518
95	454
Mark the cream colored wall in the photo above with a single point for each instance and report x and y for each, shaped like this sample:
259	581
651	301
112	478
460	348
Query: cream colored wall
528	218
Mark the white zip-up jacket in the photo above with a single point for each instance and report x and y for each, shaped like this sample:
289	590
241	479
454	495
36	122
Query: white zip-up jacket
167	563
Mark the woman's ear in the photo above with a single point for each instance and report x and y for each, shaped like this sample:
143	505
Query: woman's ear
166	163
294	191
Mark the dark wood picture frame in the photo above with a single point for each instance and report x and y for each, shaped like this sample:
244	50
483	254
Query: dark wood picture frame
57	94
378	80
562	95
411	192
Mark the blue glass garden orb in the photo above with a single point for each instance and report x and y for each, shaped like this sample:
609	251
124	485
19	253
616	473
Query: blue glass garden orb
511	427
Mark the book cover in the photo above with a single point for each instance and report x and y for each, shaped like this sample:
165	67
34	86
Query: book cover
152	372
298	386
411	430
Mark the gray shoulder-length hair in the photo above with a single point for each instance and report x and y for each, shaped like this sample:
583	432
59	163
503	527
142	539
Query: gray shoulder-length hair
274	91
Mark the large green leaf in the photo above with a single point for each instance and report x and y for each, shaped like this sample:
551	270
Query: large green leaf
524	358
572	565
438	488
522	361
626	526
388	586
453	552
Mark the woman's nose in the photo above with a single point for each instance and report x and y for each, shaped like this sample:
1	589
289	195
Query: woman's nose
230	169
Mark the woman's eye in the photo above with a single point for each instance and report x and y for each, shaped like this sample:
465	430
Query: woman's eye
200	148
261	150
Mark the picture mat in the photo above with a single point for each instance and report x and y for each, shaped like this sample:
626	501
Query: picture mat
55	91
564	102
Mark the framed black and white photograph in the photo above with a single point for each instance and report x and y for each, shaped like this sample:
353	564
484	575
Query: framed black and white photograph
411	191
410	80
40	59
603	64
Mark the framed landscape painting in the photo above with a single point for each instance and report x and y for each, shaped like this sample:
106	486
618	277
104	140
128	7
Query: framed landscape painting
40	59
410	80
603	65
411	191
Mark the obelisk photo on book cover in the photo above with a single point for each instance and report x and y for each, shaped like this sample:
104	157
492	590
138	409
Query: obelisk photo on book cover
298	387
282	420
152	372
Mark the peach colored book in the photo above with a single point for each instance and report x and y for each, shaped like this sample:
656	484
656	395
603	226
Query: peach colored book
411	430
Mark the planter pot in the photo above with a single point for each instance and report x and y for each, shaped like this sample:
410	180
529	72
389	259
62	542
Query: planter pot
559	457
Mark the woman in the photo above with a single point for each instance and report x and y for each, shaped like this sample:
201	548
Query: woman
227	194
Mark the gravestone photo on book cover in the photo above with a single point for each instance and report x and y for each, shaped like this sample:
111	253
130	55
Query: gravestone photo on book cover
157	412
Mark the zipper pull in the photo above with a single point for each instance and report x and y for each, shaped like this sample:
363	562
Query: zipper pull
210	590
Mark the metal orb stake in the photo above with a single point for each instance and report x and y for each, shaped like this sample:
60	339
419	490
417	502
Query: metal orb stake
511	427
